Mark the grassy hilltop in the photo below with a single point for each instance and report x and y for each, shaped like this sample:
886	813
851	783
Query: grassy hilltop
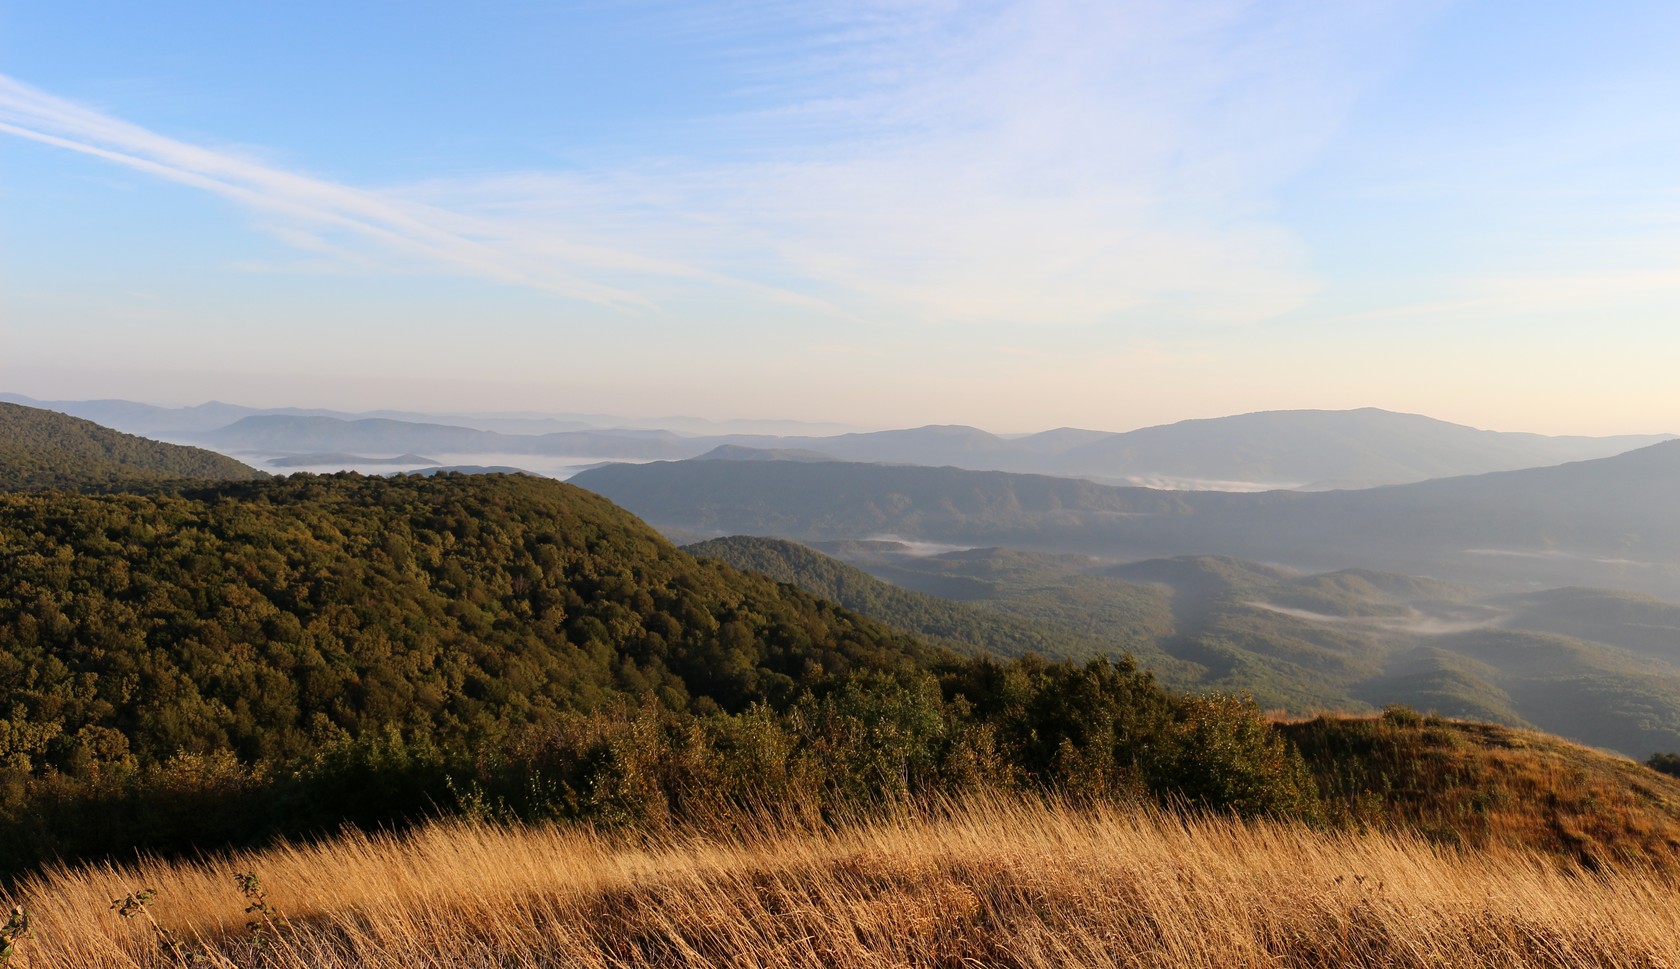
989	883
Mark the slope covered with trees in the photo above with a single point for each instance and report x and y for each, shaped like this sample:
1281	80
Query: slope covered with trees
270	618
43	449
194	668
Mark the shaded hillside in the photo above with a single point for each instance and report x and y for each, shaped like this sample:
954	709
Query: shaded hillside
1634	622
1057	591
43	449
291	654
1608	523
829	501
959	625
1349	640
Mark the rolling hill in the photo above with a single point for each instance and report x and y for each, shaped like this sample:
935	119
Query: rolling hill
1355	639
1607	523
962	626
42	449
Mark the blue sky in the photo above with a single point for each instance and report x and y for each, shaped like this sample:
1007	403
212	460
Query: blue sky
1015	215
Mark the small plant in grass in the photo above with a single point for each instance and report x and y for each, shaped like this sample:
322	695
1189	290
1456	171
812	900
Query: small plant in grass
265	923
1400	715
16	927
138	905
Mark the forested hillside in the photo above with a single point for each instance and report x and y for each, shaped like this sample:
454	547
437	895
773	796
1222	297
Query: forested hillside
193	668
267	619
43	449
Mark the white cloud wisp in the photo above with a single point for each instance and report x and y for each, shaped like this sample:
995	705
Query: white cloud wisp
1059	161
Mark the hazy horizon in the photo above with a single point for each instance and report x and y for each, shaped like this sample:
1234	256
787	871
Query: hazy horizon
1019	215
818	427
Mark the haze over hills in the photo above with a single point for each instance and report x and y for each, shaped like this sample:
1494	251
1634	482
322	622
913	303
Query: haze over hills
969	627
1301	449
317	460
316	650
703	485
1226	623
1304	449
155	420
1608	522
43	449
1318	450
1206	622
271	433
1598	667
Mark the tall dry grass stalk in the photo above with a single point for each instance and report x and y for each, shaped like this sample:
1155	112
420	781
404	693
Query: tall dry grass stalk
990	883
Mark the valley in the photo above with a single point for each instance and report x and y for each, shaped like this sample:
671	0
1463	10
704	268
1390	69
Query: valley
765	485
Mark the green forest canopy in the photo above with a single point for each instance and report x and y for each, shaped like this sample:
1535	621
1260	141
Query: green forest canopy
183	669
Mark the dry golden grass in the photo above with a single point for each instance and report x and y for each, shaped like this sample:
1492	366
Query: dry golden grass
1483	785
986	884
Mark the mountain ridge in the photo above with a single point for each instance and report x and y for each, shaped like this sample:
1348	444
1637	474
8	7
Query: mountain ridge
1604	522
1297	449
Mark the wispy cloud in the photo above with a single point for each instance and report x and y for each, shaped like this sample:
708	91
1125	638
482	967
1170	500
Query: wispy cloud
395	224
1060	161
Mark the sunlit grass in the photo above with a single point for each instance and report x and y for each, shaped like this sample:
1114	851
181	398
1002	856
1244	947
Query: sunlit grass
994	883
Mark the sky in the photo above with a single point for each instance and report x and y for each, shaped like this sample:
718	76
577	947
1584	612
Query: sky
1016	215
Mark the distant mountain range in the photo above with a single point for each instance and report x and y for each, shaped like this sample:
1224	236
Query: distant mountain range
1317	450
1308	450
1312	450
283	434
1610	522
156	421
